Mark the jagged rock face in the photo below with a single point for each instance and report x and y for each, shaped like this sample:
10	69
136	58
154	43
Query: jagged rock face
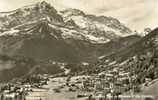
98	26
111	23
30	13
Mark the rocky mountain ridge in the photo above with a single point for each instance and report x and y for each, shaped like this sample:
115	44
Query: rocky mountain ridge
99	29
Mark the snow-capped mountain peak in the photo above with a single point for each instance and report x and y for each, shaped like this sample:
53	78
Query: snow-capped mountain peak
98	26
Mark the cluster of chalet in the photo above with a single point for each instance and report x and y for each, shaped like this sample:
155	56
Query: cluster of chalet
19	90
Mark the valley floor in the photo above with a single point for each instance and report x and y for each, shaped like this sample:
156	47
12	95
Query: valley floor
47	92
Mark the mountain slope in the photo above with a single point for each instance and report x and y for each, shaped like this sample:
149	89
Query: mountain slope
41	41
147	43
116	45
15	67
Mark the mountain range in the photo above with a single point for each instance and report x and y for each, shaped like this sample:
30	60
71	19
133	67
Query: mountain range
39	33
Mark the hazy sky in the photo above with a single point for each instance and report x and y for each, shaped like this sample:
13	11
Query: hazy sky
137	14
